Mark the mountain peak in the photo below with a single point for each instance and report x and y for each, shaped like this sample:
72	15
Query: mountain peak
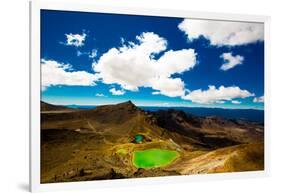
128	104
51	107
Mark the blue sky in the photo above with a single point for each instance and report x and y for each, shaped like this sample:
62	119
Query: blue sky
93	59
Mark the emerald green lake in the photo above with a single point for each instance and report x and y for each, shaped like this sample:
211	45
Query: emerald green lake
154	158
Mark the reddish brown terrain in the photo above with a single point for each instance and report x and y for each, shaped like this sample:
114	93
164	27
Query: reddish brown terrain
98	143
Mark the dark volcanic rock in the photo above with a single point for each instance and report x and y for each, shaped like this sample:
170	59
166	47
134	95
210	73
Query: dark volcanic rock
210	131
179	121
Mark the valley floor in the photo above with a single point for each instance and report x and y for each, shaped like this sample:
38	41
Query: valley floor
80	157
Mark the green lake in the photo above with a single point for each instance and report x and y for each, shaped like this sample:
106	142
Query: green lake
154	158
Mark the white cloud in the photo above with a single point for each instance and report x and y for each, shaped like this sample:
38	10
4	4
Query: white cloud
259	99
117	92
213	95
100	95
171	87
164	104
176	61
55	73
122	40
235	102
134	65
223	33
220	102
231	61
76	40
155	93
93	54
80	53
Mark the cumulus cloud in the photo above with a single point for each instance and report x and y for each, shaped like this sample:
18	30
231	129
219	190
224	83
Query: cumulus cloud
171	87
76	40
259	99
55	73
117	92
93	53
231	61
223	33
100	95
133	65
213	95
235	102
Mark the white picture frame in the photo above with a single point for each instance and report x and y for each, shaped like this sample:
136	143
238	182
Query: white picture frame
35	87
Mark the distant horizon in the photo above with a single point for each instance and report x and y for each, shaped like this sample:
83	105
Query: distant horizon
141	105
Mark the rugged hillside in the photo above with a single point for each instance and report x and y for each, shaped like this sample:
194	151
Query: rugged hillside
211	131
116	122
72	141
49	107
99	143
120	119
246	157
